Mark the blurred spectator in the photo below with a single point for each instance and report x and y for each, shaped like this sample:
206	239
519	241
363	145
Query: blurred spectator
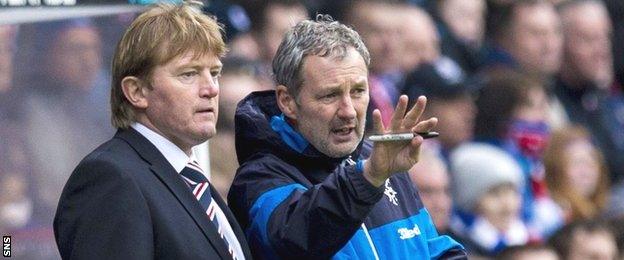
616	12
462	27
527	252
576	174
585	240
527	35
7	51
512	111
583	85
16	207
419	37
465	19
587	55
16	203
22	215
238	79
449	99
507	94
9	101
379	26
486	188
66	105
431	177
269	22
244	46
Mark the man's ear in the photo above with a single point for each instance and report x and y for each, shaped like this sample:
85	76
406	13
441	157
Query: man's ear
135	91
286	102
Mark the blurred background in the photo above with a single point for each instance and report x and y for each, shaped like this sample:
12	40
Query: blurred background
530	159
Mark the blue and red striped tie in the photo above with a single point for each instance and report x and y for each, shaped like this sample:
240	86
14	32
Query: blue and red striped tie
193	175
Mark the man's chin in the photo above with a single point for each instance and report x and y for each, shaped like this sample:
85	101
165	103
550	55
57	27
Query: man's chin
341	150
205	134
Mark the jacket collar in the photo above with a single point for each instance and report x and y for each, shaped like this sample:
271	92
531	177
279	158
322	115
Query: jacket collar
261	128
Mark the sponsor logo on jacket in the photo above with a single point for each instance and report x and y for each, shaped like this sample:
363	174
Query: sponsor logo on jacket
407	233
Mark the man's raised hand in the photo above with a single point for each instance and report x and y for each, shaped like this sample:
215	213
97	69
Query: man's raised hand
388	158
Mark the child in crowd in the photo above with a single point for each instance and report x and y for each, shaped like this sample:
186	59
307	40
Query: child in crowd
486	185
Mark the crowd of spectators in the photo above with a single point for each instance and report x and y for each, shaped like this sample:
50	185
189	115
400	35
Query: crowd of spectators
530	107
528	93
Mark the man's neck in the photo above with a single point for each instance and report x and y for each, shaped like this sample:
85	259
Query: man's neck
187	149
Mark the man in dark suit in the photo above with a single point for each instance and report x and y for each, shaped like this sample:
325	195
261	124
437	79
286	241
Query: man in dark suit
142	195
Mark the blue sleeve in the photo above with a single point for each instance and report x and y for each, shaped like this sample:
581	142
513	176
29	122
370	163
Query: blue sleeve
288	220
260	213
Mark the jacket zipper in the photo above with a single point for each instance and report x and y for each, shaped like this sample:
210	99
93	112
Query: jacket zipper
370	241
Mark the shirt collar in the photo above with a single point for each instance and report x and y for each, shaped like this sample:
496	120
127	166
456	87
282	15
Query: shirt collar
174	155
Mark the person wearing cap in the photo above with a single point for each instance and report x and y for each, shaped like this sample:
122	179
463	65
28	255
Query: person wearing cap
486	190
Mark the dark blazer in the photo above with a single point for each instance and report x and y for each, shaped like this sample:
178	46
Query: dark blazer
125	201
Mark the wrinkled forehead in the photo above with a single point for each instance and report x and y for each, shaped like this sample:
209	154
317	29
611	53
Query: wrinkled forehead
334	67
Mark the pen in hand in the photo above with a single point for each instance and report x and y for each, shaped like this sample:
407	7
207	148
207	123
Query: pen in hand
401	136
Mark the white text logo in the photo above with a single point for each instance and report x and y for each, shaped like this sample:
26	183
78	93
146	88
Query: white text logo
407	233
389	191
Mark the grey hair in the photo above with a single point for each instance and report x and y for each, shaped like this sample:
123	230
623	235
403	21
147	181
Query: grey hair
323	37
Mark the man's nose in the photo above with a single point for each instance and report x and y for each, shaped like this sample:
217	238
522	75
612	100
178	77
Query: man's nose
208	86
347	110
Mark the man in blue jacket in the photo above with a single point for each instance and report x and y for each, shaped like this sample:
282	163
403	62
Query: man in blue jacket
308	187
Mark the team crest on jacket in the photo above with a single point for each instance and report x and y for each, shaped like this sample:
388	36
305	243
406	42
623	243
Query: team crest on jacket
390	193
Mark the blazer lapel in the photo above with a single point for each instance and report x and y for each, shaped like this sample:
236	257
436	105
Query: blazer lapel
170	178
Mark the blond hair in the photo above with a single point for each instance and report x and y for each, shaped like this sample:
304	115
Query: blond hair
158	35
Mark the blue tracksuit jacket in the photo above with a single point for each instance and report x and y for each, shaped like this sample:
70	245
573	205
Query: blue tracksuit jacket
295	203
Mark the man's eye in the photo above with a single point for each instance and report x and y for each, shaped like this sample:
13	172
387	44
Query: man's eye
188	74
329	97
359	91
215	74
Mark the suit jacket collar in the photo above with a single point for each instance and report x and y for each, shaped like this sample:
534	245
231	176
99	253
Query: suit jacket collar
170	178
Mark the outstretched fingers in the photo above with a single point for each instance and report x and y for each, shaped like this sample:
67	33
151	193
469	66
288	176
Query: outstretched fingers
414	114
